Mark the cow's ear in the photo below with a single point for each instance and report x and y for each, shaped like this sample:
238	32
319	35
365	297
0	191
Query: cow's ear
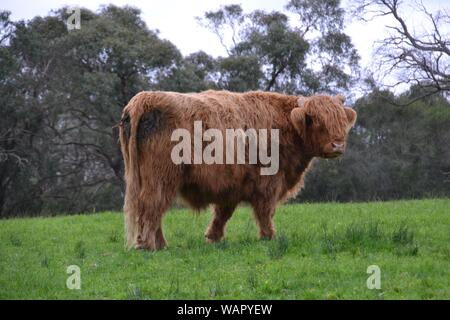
299	119
351	116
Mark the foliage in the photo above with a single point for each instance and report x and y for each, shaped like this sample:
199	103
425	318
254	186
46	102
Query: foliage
62	95
307	56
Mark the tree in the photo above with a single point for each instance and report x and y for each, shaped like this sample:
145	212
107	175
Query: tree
63	93
421	59
193	73
122	58
22	118
265	51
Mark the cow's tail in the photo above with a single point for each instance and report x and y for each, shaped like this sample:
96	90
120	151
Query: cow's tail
129	145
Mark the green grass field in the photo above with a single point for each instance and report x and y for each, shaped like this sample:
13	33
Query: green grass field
322	251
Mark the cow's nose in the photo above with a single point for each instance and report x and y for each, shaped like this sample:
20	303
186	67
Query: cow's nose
338	147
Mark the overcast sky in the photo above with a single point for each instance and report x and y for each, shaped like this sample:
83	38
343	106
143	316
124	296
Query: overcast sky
175	19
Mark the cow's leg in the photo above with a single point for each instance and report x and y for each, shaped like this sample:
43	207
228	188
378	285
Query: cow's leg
154	205
264	212
160	240
158	190
150	220
216	229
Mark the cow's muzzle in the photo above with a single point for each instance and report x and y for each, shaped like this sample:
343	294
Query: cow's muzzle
338	147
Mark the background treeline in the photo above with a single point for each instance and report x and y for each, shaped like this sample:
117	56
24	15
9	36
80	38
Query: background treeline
62	92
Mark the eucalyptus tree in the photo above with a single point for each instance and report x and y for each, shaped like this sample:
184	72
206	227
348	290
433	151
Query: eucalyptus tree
270	51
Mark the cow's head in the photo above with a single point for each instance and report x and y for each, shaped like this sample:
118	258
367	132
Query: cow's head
323	123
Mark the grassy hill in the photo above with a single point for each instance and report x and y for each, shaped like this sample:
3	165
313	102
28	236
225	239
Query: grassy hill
322	252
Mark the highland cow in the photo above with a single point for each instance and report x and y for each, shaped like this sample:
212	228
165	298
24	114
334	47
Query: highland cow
308	127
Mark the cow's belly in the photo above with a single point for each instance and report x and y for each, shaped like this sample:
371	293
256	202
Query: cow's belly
200	196
204	185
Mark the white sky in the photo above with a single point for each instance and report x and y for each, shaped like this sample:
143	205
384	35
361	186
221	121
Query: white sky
175	19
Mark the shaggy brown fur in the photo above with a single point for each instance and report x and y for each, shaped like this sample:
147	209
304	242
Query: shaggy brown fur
308	128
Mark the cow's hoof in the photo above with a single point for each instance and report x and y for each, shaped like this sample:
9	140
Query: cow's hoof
213	238
161	246
267	236
145	246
